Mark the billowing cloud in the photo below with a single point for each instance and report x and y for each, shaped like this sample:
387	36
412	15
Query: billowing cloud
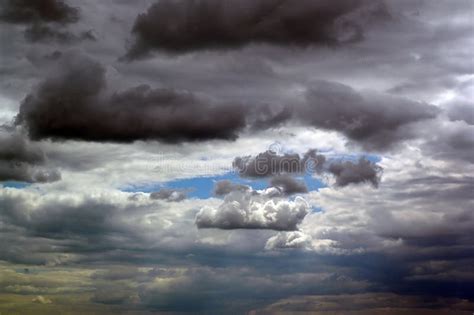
88	110
376	121
271	163
283	167
348	172
286	240
181	26
72	103
21	160
247	211
224	187
288	185
168	195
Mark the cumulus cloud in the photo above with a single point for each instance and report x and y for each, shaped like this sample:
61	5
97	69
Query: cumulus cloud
271	163
247	211
348	172
283	167
376	121
21	160
224	187
181	26
288	185
286	240
168	195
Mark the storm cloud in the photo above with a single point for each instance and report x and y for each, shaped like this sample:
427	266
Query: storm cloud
58	109
376	121
288	185
271	163
181	26
45	20
21	160
24	11
348	172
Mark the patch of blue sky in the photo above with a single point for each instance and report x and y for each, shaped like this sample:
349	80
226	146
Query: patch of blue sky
202	187
14	184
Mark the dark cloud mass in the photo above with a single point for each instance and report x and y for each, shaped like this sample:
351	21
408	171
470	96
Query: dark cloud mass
88	110
283	166
374	120
349	172
23	161
45	20
72	103
181	26
271	163
224	187
288	185
27	11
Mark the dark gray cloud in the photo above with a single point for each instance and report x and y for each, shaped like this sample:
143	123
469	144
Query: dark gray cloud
270	163
288	185
224	187
168	195
25	11
45	20
181	26
348	172
53	109
283	166
21	160
72	103
245	210
376	121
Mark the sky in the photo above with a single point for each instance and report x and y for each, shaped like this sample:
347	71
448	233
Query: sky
237	157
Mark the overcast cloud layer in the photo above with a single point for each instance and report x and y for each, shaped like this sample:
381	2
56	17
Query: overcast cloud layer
229	156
